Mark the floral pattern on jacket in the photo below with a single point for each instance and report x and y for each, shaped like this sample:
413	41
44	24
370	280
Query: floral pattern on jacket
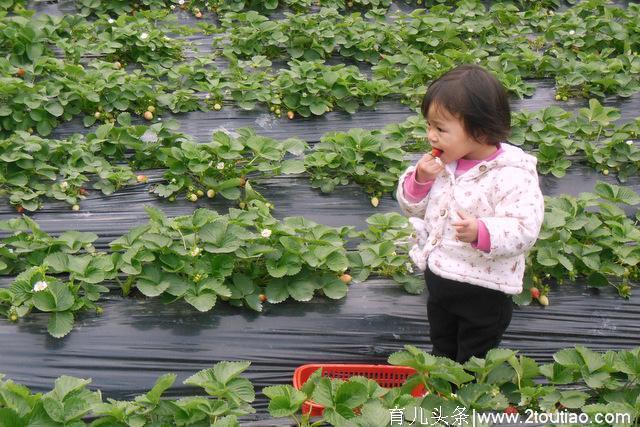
505	194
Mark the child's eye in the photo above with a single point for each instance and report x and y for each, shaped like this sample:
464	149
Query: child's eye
440	129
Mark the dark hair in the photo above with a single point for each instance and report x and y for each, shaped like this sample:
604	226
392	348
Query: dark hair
472	94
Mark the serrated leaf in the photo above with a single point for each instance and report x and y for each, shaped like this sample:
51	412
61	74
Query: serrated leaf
60	323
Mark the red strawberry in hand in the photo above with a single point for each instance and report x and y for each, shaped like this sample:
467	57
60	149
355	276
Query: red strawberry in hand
436	152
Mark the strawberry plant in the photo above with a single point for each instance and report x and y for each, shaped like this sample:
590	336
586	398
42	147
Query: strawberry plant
136	39
353	401
11	4
576	241
70	402
412	134
305	86
364	157
28	246
224	164
384	251
248	87
253	34
237	257
117	7
35	168
27	38
618	152
33	289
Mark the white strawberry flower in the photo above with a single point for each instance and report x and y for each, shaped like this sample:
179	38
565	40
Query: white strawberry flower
195	251
180	2
40	286
144	36
409	267
572	32
173	6
220	166
266	233
470	29
629	142
110	21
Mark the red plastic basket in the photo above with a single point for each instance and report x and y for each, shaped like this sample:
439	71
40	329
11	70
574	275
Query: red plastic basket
385	375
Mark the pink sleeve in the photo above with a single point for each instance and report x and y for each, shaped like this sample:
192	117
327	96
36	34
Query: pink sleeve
484	239
415	191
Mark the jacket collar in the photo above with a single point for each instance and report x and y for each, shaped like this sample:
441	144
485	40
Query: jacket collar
511	157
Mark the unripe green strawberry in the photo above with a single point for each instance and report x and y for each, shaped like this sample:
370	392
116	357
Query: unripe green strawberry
211	193
192	197
543	300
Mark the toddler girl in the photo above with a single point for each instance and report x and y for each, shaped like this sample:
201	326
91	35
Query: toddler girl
478	209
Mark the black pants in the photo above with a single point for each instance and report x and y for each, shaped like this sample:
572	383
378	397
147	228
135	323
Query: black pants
466	320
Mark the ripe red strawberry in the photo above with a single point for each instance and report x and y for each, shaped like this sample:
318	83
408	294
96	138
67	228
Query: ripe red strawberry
436	152
346	278
511	410
20	72
20	209
263	297
535	292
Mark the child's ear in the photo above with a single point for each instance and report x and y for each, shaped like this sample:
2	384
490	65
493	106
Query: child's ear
482	139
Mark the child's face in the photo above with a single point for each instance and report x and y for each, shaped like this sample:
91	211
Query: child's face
446	132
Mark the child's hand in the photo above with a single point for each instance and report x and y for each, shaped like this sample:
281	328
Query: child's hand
428	168
466	228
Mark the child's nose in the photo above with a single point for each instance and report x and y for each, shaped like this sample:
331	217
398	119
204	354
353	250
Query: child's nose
431	135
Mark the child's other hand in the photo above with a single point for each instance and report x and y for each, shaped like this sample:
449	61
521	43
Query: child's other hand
428	168
466	228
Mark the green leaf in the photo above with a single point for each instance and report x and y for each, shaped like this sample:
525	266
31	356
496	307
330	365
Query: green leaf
351	394
56	297
203	302
60	323
335	288
58	262
225	371
301	289
292	167
284	400
277	290
162	384
54	108
323	393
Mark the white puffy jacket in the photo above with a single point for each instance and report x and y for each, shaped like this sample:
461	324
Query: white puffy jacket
504	193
